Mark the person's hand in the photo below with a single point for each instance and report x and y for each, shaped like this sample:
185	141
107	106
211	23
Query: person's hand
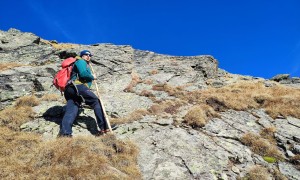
95	78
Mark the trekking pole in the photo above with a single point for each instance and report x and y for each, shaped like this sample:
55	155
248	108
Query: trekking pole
103	109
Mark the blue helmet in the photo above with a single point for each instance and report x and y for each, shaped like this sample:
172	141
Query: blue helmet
86	52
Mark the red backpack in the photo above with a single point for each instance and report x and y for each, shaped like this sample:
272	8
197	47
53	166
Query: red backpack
63	76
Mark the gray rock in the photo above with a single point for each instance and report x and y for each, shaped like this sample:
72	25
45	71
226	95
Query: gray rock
289	171
280	77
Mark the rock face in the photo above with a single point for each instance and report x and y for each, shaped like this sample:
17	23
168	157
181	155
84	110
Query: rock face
167	150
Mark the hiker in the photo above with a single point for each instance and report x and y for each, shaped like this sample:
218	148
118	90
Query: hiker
78	91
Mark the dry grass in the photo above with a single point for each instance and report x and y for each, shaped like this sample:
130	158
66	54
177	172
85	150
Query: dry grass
25	156
146	93
172	91
148	81
278	100
135	79
258	172
153	71
278	175
27	101
134	116
5	66
199	115
14	117
261	146
60	46
268	134
296	161
51	97
169	106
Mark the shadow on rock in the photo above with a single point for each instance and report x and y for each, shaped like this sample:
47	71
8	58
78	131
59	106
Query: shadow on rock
56	113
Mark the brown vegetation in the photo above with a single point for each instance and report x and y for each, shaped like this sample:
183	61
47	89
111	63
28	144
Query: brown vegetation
199	115
50	97
5	66
61	46
268	134
296	160
25	156
278	100
133	116
27	101
135	79
153	71
258	172
261	146
172	91
169	106
18	114
146	93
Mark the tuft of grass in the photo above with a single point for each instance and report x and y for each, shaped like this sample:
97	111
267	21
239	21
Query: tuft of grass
153	71
148	81
134	116
199	115
50	97
26	156
27	101
5	66
258	172
169	106
146	93
268	134
60	46
172	91
261	146
14	116
135	79
296	161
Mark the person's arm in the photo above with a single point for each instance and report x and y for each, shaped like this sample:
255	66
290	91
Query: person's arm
83	71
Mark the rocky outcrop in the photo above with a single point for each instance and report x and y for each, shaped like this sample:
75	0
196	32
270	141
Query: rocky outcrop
169	149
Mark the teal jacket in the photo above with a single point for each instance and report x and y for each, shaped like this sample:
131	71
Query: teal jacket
81	73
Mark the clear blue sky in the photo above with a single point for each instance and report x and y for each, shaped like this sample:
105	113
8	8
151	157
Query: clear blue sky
251	37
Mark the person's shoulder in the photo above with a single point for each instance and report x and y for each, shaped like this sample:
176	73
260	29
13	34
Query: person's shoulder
80	61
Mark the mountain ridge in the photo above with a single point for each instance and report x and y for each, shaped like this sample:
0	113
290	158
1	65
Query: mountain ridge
189	118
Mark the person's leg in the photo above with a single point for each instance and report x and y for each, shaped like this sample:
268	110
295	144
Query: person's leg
92	100
71	111
69	117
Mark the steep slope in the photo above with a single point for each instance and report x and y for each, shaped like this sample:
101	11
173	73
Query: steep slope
189	118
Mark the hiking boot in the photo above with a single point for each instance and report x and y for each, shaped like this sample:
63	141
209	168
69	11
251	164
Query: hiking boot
64	136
